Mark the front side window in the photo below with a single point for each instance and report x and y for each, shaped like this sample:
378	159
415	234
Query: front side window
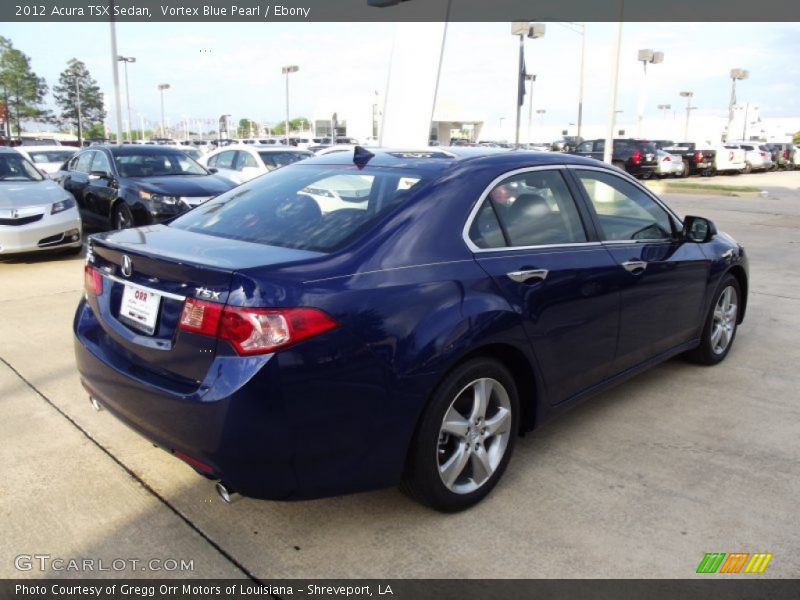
623	210
318	208
246	160
585	147
101	163
84	162
529	209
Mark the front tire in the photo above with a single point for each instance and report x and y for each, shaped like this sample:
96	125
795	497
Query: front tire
465	437
720	327
123	217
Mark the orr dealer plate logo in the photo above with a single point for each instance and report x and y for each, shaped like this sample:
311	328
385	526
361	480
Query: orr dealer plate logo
735	562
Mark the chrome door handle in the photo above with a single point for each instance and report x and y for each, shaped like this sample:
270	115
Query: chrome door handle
636	267
523	276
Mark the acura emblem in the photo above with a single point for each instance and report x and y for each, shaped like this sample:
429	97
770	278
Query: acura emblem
127	265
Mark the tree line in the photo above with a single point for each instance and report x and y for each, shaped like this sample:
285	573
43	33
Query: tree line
23	94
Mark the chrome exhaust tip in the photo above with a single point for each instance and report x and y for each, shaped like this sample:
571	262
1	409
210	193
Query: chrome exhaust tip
95	404
228	495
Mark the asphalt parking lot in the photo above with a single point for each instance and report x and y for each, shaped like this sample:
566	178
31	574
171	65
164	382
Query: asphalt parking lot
638	482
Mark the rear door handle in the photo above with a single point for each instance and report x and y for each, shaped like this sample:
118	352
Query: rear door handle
524	276
636	267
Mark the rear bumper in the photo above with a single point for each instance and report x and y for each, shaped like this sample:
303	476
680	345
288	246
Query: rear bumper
273	427
45	234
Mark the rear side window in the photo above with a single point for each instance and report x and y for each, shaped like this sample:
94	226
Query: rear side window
316	208
529	209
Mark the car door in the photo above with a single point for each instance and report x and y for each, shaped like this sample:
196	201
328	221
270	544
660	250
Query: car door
77	179
224	164
662	278
102	187
246	166
528	233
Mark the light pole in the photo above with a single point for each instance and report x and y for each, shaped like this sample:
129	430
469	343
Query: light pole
161	88
287	70
115	70
531	78
126	60
736	75
541	112
608	150
689	109
523	29
645	56
573	27
664	108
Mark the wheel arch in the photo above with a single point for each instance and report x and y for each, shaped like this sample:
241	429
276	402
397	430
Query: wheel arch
741	277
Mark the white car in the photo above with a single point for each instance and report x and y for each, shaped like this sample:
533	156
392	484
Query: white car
757	156
336	148
242	162
669	164
47	159
35	212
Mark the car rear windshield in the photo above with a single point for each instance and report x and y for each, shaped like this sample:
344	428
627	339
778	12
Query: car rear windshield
51	156
307	207
275	160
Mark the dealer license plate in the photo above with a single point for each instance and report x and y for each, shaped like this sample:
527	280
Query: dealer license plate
139	308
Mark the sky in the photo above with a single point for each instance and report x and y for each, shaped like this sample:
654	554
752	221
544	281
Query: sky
235	68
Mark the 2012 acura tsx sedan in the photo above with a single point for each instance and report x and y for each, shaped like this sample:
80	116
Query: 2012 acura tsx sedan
291	347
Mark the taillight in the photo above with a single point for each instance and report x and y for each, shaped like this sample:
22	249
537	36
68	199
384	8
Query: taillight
637	157
92	280
785	154
764	154
698	157
254	330
667	158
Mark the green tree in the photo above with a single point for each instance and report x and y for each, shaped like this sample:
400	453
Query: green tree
76	84
23	91
796	138
296	124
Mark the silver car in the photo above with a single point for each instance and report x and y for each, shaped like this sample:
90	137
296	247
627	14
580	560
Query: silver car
35	212
669	164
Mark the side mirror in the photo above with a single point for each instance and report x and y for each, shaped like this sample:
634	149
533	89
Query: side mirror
95	175
212	170
698	229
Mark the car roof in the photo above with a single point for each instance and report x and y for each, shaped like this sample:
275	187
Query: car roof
126	149
46	148
441	159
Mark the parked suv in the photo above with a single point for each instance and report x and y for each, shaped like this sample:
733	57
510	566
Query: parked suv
637	157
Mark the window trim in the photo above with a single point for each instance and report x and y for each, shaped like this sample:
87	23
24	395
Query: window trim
476	207
629	178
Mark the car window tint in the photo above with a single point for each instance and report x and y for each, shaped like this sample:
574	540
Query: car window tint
15	167
281	159
318	208
533	209
600	146
624	211
100	163
245	160
84	162
585	147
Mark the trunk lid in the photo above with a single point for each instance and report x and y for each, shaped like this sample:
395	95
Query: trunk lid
147	275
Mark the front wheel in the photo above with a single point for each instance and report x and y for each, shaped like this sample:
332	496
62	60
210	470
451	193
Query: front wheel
465	437
123	217
719	330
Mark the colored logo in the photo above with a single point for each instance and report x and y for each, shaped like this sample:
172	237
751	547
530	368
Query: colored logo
735	562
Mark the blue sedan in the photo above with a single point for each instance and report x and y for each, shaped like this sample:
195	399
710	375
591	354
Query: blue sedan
373	318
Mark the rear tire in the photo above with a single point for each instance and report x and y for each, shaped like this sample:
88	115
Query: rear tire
123	217
465	437
686	170
720	327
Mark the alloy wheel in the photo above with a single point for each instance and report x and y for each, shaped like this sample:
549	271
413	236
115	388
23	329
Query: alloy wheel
725	314
474	435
